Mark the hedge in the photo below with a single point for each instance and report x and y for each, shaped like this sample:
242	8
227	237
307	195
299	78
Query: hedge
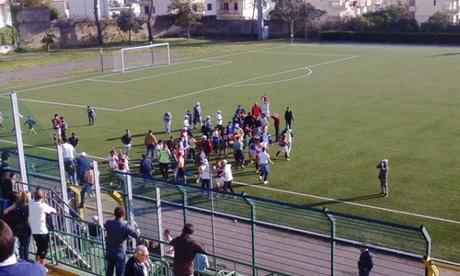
381	37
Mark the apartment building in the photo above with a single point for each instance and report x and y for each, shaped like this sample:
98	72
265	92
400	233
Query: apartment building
222	9
5	14
423	9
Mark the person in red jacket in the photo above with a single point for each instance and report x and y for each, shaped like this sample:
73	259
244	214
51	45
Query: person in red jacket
276	122
256	111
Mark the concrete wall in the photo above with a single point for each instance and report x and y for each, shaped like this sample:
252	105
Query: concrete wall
83	33
84	9
5	14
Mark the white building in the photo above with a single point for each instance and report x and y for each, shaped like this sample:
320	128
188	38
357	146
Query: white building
5	14
222	9
337	9
84	9
423	9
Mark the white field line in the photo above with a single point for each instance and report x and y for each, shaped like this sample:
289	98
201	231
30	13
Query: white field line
350	203
299	194
221	62
148	68
304	54
235	84
309	72
64	104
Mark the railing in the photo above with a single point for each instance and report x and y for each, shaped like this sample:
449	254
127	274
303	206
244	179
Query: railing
78	244
256	236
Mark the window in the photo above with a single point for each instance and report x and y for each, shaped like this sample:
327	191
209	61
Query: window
195	7
209	7
225	6
434	2
412	3
153	10
235	6
146	10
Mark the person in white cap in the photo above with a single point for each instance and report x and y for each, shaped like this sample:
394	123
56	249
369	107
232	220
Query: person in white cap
197	114
383	176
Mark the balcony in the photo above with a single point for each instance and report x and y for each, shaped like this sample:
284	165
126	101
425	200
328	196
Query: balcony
451	7
230	14
338	4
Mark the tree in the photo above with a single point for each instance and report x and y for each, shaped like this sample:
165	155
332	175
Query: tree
438	22
128	22
31	3
393	19
294	11
149	22
183	14
100	38
48	40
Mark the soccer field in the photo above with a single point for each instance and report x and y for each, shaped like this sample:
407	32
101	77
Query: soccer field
353	105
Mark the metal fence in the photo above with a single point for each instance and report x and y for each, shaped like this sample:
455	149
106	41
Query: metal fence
256	236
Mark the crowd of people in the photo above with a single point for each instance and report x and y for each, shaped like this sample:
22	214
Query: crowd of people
247	136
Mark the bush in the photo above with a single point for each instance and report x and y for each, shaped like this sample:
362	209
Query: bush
382	37
54	14
8	35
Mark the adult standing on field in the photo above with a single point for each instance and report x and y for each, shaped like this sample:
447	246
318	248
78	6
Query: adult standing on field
265	106
288	117
276	123
365	262
150	141
264	161
56	122
383	176
91	114
197	115
126	140
167	117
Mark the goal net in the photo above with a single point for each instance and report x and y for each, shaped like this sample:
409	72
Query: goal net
141	56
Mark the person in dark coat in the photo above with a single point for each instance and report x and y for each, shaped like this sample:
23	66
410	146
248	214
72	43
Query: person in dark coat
365	262
185	249
138	264
288	117
117	233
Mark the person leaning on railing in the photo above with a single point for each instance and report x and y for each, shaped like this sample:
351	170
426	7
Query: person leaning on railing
117	233
185	249
9	264
431	269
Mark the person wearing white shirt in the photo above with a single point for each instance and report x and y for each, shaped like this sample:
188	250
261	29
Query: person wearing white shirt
265	106
206	173
228	177
186	122
264	160
68	152
219	119
37	216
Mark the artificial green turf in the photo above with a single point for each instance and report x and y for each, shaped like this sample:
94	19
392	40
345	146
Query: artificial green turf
399	102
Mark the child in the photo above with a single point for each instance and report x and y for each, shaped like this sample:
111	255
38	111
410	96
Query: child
31	124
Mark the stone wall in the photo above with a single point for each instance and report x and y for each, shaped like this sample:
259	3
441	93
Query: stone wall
83	33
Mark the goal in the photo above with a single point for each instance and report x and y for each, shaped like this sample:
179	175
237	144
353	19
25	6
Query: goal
141	56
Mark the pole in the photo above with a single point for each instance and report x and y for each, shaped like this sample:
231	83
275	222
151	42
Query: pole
213	225
331	219
102	59
253	232
427	238
260	19
97	188
129	201
160	222
63	178
151	51
19	144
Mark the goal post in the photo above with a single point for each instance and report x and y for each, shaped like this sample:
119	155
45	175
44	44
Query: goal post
141	56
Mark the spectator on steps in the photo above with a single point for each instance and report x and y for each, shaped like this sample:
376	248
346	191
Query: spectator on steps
118	230
138	264
185	250
365	262
9	264
37	217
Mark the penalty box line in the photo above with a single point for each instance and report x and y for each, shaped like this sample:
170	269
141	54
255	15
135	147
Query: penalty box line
239	83
297	193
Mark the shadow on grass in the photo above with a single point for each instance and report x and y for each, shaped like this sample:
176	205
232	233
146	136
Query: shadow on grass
446	55
341	200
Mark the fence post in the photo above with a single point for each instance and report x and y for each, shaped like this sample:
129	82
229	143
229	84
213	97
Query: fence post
427	238
251	203
159	221
19	144
97	189
331	219
184	202
63	178
129	201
